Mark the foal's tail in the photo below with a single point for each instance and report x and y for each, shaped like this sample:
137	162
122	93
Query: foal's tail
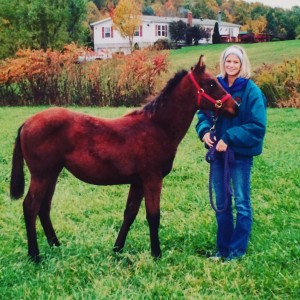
17	181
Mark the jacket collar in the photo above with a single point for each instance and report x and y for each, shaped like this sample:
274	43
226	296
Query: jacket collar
238	84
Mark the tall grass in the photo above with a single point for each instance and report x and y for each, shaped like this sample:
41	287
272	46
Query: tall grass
87	219
36	77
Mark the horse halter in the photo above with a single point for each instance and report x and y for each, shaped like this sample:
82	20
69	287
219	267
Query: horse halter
201	93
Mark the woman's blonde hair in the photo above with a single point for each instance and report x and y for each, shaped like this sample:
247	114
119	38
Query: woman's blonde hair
240	52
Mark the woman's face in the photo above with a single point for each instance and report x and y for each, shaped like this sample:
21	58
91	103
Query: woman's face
232	65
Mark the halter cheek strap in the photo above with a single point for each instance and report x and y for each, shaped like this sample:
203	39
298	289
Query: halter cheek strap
201	93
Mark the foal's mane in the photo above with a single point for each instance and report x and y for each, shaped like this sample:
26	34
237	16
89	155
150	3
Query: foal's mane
151	107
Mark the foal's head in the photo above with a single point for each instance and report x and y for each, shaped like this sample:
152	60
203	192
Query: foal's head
211	95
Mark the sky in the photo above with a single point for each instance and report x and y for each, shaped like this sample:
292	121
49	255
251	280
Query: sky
287	4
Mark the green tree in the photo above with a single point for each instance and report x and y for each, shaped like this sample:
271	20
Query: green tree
127	19
195	33
293	17
219	2
202	10
216	38
276	24
148	11
7	32
177	31
39	24
100	3
258	11
297	31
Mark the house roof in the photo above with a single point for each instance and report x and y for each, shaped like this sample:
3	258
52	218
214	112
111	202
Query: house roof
100	22
156	19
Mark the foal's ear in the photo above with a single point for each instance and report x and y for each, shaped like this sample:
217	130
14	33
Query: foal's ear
202	63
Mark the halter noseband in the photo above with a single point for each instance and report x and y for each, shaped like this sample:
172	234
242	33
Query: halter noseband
201	93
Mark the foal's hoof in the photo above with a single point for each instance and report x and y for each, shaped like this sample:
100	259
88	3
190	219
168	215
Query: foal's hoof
117	249
34	258
156	255
53	242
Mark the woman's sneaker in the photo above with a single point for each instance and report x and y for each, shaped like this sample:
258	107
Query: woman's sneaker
217	257
234	257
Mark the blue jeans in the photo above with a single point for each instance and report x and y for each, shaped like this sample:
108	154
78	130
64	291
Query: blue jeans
233	237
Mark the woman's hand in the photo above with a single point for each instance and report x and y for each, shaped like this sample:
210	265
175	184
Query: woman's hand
207	140
221	146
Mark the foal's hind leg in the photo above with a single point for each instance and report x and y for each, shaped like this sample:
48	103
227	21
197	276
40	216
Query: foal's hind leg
132	208
30	210
44	215
31	207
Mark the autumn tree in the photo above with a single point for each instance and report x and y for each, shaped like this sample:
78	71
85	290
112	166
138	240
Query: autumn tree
256	26
127	18
171	8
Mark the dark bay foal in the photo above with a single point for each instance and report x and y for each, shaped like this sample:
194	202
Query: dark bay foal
137	149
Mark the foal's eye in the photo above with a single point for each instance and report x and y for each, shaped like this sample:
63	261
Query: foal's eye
212	84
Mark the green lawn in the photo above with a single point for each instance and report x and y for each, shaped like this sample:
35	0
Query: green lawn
259	53
87	219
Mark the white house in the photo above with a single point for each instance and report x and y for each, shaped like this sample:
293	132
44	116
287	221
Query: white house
153	28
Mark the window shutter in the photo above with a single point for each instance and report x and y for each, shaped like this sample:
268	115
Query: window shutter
141	30
103	32
155	30
166	30
112	32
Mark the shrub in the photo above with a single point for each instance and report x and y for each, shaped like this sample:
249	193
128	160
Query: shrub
248	38
53	77
138	74
162	44
280	83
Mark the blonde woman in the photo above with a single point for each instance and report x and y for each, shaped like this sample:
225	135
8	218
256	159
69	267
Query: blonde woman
244	135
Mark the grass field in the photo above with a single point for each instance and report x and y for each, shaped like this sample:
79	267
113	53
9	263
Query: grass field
87	219
259	53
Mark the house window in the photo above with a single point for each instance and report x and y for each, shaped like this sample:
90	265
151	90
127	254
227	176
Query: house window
138	31
161	30
107	32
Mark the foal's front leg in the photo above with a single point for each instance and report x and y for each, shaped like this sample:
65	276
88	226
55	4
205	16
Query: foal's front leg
152	190
134	200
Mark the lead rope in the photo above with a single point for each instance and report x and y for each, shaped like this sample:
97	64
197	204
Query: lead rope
228	157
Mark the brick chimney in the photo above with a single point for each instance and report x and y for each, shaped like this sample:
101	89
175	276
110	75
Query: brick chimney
190	19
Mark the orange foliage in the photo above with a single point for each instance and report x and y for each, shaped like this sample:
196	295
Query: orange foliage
53	77
143	68
30	64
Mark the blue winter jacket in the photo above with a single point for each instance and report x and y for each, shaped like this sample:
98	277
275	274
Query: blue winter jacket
245	132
